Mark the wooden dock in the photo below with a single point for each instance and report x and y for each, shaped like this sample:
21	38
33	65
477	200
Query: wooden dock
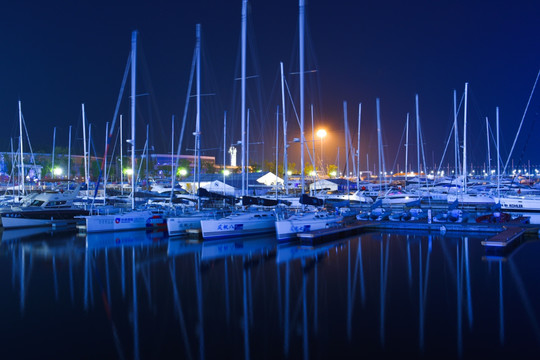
502	234
504	238
345	229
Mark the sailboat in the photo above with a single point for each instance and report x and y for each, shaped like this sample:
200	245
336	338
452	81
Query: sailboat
45	209
134	219
244	222
288	228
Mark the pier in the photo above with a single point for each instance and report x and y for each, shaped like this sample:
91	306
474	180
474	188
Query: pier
501	234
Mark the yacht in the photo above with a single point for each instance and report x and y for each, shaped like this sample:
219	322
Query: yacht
45	209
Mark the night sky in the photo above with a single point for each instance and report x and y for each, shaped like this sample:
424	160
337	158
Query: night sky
56	55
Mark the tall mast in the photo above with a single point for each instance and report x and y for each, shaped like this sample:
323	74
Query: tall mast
347	145
301	15
379	142
69	155
133	95
85	150
488	149
406	148
198	119
21	187
285	164
277	148
417	138
173	175
358	148
121	157
247	153
456	137
105	165
224	148
243	106
465	140
53	145
498	161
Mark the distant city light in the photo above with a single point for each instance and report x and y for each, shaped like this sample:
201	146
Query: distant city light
58	171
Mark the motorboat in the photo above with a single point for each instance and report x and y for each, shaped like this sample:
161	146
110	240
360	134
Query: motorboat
45	209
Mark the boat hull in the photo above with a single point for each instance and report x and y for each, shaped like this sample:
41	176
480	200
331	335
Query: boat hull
225	228
137	220
289	228
35	218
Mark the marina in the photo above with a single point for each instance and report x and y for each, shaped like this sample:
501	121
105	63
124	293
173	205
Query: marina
270	180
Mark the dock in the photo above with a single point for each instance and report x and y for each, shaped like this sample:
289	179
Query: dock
504	238
345	229
502	233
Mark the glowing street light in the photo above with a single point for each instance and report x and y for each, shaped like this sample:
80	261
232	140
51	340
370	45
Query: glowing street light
182	172
58	171
321	133
226	172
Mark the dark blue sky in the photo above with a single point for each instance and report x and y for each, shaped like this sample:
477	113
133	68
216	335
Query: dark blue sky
56	55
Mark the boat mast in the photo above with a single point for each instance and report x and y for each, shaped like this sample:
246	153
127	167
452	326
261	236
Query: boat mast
53	145
498	161
285	165
465	140
456	137
406	148
347	145
379	142
172	157
21	185
105	164
85	150
69	155
224	148
198	119
277	149
301	14
133	95
243	106
417	139
488	149
247	153
358	148
121	157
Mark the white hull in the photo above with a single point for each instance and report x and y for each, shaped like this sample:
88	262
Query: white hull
519	203
470	199
178	225
239	225
135	220
289	228
13	222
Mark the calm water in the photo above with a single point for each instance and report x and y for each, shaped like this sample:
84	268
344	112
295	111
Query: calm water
376	295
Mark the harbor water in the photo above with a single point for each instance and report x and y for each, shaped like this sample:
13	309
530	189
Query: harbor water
139	295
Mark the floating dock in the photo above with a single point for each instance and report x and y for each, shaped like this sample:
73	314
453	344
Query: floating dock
500	231
504	238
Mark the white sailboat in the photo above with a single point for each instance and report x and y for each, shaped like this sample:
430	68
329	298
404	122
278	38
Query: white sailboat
134	219
288	228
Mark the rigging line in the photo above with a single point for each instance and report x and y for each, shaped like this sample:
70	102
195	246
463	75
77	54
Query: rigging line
298	120
32	157
111	130
521	123
179	147
399	150
445	148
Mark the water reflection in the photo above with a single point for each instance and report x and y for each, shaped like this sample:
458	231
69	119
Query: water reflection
140	295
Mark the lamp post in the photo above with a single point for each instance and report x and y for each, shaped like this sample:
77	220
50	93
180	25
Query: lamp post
321	133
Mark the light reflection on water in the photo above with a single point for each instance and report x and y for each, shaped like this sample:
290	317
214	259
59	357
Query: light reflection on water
142	295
